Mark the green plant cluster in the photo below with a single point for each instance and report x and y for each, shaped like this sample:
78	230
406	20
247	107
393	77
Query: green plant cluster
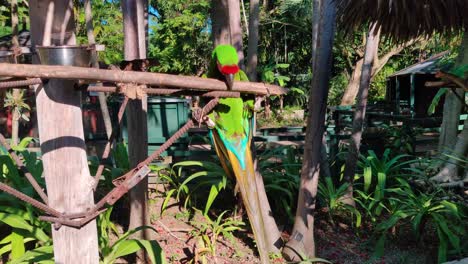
26	239
393	205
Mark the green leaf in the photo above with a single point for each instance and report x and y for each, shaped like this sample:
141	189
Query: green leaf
123	248
367	178
36	255
154	251
211	197
17	245
166	200
16	221
435	101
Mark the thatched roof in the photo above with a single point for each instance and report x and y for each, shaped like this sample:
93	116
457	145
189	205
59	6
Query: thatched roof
404	19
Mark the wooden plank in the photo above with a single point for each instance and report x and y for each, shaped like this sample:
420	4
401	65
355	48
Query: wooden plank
149	78
66	171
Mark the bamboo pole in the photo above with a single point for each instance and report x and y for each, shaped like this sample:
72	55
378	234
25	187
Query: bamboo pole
154	79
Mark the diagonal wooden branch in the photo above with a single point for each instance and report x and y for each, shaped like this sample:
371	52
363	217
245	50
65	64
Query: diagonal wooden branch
380	62
451	78
117	76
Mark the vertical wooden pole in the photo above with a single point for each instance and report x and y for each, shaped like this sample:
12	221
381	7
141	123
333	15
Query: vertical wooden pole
16	92
135	48
68	181
92	40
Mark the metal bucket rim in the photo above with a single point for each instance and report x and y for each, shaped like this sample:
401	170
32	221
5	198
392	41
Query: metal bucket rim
88	47
6	53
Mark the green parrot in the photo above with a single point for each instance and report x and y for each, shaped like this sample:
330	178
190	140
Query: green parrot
231	123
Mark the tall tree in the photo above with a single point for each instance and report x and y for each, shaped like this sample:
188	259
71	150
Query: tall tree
61	135
302	241
220	23
456	146
235	29
252	48
135	49
352	88
372	45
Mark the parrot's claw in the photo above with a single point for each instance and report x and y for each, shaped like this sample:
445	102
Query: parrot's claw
209	123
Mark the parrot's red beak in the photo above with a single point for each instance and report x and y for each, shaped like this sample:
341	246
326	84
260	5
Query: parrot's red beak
228	71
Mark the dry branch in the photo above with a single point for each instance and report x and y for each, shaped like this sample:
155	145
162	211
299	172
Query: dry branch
117	76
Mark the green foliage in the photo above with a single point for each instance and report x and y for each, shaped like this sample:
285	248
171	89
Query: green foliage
124	246
180	40
377	175
5	15
280	170
17	104
420	210
119	156
20	220
207	233
332	197
205	176
108	28
400	139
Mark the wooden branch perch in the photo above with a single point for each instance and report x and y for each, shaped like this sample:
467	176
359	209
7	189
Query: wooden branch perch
460	82
440	84
117	76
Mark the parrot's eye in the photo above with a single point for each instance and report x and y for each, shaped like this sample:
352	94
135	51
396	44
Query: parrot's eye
229	69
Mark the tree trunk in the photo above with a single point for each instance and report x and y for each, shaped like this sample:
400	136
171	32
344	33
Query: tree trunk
68	181
352	88
449	172
372	45
91	41
252	49
448	142
135	48
220	25
302	243
235	29
452	108
353	84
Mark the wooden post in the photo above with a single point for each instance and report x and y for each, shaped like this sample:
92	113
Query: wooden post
135	48
16	92
68	181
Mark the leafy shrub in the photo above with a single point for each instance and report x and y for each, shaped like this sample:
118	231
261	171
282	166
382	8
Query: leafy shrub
207	234
280	170
332	197
204	175
420	210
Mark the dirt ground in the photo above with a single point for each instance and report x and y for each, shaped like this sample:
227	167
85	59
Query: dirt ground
338	245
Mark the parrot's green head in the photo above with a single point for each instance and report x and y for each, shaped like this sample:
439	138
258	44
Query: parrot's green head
226	62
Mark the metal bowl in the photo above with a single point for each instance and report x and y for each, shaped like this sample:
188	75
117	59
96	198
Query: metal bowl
80	56
6	56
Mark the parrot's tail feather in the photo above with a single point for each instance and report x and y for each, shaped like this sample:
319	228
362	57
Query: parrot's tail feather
247	185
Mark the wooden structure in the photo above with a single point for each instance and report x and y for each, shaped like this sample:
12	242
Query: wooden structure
63	146
406	91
